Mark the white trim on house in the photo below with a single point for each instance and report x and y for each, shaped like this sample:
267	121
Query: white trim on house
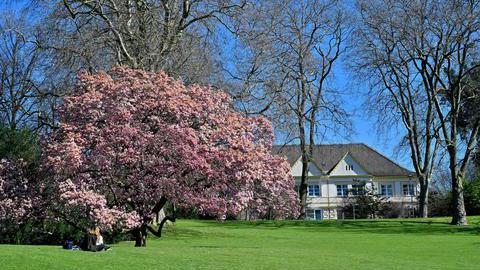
314	214
296	169
343	164
347	166
328	200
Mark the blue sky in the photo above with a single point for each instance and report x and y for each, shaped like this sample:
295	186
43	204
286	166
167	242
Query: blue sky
364	126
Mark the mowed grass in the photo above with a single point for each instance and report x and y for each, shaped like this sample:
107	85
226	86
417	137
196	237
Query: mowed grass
363	244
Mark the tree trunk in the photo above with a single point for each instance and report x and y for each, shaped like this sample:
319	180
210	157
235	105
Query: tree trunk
158	233
303	190
459	215
423	198
141	233
140	236
303	180
302	99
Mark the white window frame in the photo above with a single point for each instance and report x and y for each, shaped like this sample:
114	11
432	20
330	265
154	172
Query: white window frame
344	188
313	193
358	189
410	191
386	185
314	210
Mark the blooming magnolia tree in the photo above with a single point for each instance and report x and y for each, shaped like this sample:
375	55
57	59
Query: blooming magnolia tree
15	201
19	195
129	141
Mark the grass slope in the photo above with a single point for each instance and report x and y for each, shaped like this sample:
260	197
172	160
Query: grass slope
365	244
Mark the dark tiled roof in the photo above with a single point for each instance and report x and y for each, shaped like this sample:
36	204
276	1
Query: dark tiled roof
326	156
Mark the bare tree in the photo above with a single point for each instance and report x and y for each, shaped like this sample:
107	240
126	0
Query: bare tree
470	112
286	62
422	58
21	100
397	92
68	36
149	35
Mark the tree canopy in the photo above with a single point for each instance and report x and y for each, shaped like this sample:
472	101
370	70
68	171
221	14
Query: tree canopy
130	140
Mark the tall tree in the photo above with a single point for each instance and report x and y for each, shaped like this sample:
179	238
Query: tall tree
396	93
153	35
20	95
287	57
428	55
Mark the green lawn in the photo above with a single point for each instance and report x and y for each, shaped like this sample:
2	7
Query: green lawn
366	244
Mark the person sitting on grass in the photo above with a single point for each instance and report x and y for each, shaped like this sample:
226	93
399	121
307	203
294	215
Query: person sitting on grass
99	244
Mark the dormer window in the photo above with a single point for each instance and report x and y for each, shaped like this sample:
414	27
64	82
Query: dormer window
349	167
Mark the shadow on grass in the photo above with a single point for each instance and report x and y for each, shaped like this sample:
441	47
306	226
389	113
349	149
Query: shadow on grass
229	247
379	226
178	232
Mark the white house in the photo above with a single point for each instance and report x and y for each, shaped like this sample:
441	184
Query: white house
336	168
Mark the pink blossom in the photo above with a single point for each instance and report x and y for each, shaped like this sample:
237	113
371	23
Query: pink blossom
130	137
18	194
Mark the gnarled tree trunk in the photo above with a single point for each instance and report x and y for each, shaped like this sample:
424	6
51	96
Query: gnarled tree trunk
141	233
140	236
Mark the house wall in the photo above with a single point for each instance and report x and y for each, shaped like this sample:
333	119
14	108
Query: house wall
328	185
348	172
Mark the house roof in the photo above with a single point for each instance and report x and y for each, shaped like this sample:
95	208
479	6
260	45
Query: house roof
327	156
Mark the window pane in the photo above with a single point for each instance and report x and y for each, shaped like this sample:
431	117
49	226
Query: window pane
357	189
342	190
408	190
386	190
310	214
313	190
